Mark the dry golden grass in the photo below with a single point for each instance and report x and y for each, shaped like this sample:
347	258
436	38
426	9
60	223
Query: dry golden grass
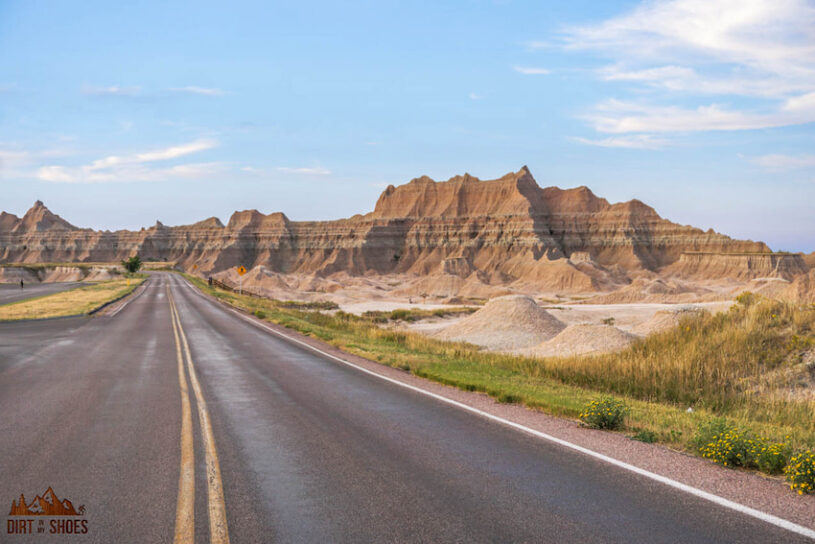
79	301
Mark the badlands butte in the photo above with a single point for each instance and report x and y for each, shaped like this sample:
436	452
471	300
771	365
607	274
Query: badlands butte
443	242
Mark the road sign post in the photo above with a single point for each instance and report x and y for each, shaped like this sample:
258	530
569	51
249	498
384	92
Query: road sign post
241	272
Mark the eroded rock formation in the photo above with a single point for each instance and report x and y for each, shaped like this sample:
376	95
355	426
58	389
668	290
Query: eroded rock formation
483	232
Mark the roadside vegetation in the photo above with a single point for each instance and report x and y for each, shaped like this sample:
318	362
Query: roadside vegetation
133	264
412	314
78	301
748	370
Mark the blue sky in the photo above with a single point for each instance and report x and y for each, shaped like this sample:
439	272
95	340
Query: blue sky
119	114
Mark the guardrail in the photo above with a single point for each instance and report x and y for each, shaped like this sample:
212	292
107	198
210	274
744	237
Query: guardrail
226	287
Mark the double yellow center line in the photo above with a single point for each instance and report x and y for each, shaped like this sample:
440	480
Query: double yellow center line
185	507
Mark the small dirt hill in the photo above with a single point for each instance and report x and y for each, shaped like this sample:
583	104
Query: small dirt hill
582	339
801	290
505	323
664	320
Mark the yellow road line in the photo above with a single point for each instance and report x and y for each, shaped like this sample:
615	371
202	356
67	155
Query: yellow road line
185	506
218	530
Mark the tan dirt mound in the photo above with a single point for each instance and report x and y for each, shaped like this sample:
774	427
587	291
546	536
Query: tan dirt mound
802	289
768	287
99	274
505	323
664	320
582	340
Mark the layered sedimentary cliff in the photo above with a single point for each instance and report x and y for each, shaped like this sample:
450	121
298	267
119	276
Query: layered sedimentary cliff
496	231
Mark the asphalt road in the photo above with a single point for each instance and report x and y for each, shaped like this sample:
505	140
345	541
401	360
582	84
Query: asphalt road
11	292
304	449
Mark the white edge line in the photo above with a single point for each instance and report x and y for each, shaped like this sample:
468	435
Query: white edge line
721	501
131	299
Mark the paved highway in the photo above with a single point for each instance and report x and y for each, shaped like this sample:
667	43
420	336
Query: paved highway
174	419
11	292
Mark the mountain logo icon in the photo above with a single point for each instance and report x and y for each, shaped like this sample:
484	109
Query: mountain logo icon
47	504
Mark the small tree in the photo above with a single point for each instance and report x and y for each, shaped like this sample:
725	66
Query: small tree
133	264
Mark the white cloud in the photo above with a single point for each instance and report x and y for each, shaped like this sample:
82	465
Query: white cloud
309	171
637	141
732	48
531	71
800	104
192	89
619	117
475	96
136	167
784	162
14	159
113	90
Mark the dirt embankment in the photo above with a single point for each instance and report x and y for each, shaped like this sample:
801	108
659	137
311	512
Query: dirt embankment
505	323
56	274
584	339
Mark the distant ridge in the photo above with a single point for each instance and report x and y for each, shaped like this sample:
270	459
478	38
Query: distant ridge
495	231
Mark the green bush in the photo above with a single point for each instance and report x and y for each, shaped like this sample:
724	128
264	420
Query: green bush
403	315
732	448
509	398
706	432
133	264
606	413
773	457
260	313
801	472
644	435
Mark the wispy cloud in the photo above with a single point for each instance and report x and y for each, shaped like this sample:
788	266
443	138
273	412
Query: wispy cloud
618	117
112	90
14	159
531	71
636	141
687	49
784	162
308	171
204	91
475	96
135	167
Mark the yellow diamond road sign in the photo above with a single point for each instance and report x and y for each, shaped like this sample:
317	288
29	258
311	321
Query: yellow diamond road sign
241	270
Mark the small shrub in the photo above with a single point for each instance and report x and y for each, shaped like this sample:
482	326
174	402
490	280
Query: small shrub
773	457
801	472
440	312
133	264
606	413
508	398
401	315
609	321
707	432
732	448
746	299
260	313
644	435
